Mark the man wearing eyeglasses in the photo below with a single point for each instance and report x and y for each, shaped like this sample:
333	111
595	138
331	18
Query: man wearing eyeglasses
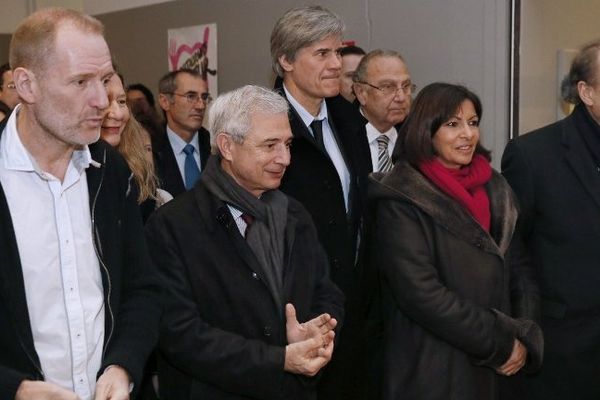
9	97
384	91
181	153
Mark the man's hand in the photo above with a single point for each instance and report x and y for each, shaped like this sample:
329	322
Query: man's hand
113	384
309	356
516	360
40	390
297	332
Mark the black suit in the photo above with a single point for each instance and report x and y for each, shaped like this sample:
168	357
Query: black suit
558	185
312	179
165	163
223	334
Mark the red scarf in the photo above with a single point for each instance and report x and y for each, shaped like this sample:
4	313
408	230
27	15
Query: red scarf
465	185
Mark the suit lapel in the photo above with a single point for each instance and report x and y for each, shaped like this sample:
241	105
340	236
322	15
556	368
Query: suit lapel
204	146
580	161
12	284
169	174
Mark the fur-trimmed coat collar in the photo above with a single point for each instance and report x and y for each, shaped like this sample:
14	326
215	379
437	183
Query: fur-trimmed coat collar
405	183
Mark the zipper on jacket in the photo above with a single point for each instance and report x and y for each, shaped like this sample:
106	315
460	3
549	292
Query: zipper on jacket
99	254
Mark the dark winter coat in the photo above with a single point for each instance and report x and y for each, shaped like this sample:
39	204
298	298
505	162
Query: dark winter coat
222	333
448	290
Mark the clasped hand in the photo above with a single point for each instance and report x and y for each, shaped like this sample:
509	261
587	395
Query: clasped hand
310	344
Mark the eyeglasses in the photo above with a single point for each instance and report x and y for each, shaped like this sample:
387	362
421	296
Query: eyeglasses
9	86
194	98
391	88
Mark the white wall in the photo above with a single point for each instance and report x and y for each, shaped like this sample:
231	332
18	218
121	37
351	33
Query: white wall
95	7
464	41
13	11
546	27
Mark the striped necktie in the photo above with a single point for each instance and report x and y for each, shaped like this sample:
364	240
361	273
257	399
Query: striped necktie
383	157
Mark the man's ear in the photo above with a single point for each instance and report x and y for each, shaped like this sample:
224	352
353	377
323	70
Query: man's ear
285	64
225	144
361	93
26	84
585	93
164	101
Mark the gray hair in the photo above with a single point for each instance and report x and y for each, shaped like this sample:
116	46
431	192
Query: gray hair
232	112
301	27
360	74
583	68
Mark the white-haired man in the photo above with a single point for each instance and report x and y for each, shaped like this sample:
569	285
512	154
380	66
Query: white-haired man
233	299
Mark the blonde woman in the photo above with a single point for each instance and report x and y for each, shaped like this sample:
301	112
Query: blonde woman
125	134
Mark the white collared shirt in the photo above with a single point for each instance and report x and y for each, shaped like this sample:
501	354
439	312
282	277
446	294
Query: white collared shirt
239	221
63	284
331	145
177	144
372	135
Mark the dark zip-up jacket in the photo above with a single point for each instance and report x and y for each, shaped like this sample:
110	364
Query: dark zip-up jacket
130	285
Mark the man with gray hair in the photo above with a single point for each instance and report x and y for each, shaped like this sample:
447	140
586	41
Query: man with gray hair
327	174
233	298
554	171
79	300
384	91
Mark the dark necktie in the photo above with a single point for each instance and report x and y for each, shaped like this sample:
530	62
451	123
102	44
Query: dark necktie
317	129
248	219
190	168
383	157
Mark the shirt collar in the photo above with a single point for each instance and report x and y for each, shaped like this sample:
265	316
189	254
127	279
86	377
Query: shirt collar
177	143
373	133
306	117
16	157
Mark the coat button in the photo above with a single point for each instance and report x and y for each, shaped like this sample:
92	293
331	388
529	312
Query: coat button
267	331
335	263
255	275
331	222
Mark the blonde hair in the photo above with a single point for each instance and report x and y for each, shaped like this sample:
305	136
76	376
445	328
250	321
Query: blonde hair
132	149
32	44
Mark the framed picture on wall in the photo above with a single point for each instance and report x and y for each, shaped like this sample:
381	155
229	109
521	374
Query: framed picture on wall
195	47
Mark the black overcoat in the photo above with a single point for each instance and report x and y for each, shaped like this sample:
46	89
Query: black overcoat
223	333
558	185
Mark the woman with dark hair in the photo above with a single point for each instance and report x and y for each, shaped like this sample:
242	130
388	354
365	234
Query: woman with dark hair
458	303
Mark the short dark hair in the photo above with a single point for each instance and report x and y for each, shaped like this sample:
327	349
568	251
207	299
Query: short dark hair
168	84
354	50
147	93
435	104
3	69
583	68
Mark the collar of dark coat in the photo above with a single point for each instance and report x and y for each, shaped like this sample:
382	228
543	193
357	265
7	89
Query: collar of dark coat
579	158
215	213
406	183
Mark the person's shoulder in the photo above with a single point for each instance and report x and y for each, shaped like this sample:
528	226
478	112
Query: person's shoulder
182	208
544	135
108	156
